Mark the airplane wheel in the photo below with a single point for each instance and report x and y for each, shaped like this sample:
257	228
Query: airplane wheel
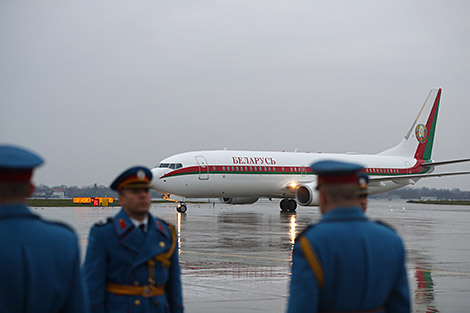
182	208
292	205
284	205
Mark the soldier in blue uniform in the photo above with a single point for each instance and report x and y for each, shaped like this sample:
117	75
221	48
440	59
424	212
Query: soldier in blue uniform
40	260
363	195
132	261
346	263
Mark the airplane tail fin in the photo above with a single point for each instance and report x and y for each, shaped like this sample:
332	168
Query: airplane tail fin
419	140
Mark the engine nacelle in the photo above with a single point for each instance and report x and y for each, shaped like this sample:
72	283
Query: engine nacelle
306	195
239	200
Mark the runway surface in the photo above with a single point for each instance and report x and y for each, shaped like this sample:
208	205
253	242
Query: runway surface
236	258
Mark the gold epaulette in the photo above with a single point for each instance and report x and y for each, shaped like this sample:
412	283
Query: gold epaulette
312	260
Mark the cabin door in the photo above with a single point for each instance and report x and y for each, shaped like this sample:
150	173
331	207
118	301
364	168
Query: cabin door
203	167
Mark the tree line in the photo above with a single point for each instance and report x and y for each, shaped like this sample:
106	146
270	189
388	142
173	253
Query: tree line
420	193
95	190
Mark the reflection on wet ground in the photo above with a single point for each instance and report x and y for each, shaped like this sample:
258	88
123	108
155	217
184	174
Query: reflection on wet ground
237	258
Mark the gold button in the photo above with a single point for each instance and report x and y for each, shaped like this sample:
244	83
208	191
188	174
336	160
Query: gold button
136	283
162	244
137	302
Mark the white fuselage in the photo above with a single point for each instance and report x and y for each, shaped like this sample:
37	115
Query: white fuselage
244	176
225	173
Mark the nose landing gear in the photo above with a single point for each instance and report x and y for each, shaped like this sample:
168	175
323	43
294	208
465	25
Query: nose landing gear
180	207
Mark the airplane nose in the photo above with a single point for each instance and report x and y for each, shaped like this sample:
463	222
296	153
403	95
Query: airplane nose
157	173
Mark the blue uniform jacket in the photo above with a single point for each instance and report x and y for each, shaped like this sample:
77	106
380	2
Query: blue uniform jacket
39	264
118	253
363	264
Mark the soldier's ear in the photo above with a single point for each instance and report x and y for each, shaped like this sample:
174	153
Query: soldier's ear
31	189
122	199
321	194
322	198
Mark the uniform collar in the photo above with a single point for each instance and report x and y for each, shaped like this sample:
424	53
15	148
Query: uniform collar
146	246
124	224
160	227
344	213
137	223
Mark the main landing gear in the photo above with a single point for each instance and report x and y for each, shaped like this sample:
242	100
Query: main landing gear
288	205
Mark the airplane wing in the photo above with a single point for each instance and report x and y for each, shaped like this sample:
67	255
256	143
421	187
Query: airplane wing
413	178
445	162
409	179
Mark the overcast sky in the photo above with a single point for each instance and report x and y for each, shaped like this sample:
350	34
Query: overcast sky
98	86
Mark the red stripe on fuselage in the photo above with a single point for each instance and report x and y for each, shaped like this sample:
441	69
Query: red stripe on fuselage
281	170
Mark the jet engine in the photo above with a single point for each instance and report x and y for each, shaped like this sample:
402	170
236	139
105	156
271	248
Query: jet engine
239	200
306	195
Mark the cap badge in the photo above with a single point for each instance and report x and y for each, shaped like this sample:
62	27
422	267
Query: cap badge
421	133
141	174
362	183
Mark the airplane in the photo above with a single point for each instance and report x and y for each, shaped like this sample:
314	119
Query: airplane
242	177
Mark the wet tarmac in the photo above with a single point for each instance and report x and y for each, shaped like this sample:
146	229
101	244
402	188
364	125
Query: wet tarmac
236	258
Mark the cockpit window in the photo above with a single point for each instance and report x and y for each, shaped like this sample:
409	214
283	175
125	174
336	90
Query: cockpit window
173	166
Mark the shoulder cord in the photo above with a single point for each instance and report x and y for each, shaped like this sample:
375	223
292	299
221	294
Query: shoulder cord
312	260
163	258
